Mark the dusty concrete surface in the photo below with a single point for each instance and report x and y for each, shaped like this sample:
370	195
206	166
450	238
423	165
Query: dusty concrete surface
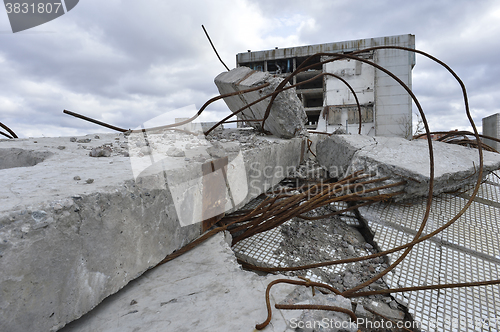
203	290
287	116
402	160
206	290
75	228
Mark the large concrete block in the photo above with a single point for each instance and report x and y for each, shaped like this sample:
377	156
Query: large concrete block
287	116
75	229
402	160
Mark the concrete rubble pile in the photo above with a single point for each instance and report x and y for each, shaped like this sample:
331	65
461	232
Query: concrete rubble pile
287	116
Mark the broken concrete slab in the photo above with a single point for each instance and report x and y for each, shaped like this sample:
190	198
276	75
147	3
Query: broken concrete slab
75	229
206	290
287	116
203	290
402	160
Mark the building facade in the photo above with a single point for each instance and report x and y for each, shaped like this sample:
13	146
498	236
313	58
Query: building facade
386	108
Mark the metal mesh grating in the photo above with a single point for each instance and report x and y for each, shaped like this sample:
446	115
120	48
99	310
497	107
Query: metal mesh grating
467	251
261	247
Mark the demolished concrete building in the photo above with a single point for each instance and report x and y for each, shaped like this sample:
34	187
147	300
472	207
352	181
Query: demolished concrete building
157	229
386	109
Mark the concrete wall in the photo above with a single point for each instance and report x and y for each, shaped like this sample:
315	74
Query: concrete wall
491	127
393	105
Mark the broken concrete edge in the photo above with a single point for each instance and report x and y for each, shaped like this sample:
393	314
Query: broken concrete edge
454	166
287	115
191	293
65	249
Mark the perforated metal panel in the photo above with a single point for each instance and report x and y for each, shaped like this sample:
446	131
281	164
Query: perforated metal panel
467	251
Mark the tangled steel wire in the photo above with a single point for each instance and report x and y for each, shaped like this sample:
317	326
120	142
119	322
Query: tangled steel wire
461	138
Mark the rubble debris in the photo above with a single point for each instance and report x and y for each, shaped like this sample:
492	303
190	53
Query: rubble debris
101	151
455	166
175	152
306	242
287	116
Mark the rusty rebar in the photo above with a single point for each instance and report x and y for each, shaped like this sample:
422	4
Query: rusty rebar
323	194
86	118
292	282
6	135
215	50
428	287
10	131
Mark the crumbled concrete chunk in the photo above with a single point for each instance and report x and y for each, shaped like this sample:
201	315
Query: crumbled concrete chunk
287	116
131	203
175	152
101	151
146	150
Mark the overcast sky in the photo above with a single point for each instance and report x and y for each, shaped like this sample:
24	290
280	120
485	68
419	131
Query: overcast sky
126	62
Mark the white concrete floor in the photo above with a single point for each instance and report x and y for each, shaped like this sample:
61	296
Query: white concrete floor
203	290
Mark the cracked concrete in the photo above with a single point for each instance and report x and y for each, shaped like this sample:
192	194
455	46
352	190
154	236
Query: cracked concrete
287	115
203	290
402	160
76	228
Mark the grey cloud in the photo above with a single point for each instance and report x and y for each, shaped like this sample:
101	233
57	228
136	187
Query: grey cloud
130	61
